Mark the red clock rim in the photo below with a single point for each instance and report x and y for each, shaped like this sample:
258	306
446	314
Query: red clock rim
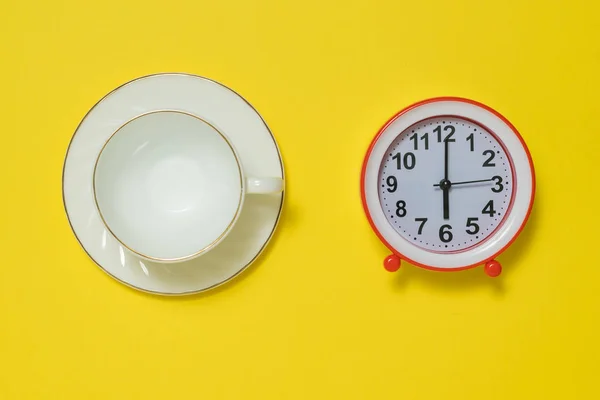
435	100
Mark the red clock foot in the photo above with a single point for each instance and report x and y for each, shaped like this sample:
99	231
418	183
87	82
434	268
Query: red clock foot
392	263
493	268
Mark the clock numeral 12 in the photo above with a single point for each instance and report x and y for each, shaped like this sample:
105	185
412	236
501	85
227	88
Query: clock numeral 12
438	130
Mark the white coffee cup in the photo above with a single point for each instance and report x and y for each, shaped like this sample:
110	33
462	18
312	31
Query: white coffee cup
170	186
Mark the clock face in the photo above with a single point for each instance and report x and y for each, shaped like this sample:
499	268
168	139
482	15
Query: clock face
446	184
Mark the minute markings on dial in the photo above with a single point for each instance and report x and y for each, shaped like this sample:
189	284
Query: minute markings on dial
413	185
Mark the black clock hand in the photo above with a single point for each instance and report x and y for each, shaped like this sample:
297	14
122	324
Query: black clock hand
445	184
446	203
445	160
465	182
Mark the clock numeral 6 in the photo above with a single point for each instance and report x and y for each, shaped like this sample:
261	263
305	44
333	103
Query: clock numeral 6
422	221
445	234
409	160
401	208
471	224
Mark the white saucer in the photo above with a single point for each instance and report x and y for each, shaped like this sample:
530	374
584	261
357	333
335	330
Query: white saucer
218	105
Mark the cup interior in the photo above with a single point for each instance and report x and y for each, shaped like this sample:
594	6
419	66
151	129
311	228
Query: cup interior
168	185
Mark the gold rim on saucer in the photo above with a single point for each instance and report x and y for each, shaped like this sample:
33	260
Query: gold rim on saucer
190	292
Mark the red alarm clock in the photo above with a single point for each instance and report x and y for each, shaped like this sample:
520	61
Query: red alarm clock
447	184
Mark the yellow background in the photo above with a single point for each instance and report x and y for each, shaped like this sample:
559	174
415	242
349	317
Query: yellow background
317	316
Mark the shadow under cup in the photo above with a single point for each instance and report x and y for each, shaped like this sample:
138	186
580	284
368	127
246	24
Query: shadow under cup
168	185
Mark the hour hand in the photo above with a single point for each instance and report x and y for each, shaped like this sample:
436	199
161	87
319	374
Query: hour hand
446	183
447	203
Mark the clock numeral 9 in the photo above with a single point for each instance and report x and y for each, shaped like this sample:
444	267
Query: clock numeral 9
409	160
489	208
499	186
392	183
401	208
450	128
445	233
471	224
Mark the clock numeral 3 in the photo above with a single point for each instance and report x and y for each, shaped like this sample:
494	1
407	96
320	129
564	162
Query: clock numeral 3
489	208
471	224
499	186
491	155
445	233
422	221
409	160
401	208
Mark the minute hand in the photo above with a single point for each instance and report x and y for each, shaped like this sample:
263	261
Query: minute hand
465	182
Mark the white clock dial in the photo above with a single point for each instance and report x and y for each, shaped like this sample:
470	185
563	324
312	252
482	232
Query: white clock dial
446	209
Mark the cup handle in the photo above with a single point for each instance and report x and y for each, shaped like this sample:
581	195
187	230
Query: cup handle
264	185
